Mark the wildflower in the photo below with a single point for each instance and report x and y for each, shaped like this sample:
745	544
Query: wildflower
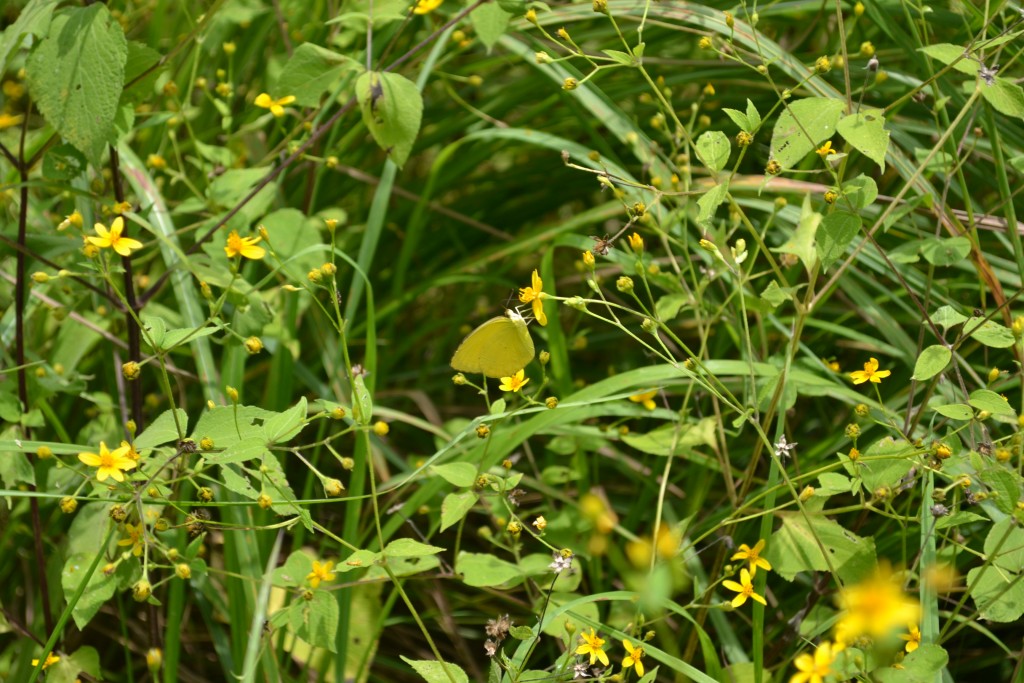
142	590
333	487
744	589
591	645
570	83
580	670
321	572
633	658
515	382
498	628
744	139
825	150
624	284
112	239
704	43
136	538
588	259
68	505
264	501
551	402
253	345
277	106
562	561
381	428
154	659
246	246
74	218
426	6
534	294
773	168
870	373
814	668
121	207
823	65
783	447
709	90
636	243
753	556
646	399
131	370
874	607
51	659
913	638
110	463
531	16
540	523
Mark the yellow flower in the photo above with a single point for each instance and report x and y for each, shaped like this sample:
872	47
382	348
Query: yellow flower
10	120
426	6
646	398
753	556
74	219
130	451
534	294
913	638
321	572
814	668
515	382
874	607
636	243
825	149
744	589
110	463
277	106
633	658
591	645
136	538
246	246
112	239
870	373
51	659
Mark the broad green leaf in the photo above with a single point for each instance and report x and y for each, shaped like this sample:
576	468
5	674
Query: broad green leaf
63	162
948	53
682	436
249	448
833	483
456	473
958	518
406	547
282	427
67	670
1004	485
946	252
861	192
320	620
889	461
932	361
710	201
34	19
456	506
1005	97
983	399
739	118
498	406
153	331
947	317
713	149
989	332
667	307
484	569
516	8
489	21
163	430
392	108
76	75
310	73
998	595
834	235
753	117
865	131
923	665
178	336
794	548
1004	545
801	244
99	589
434	671
802	127
955	411
141	63
294	571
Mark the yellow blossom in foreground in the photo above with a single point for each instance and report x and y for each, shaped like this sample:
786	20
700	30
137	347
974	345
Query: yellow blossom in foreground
246	246
870	373
110	463
814	668
646	399
913	638
875	607
534	294
590	645
113	239
744	589
633	658
426	6
51	659
636	243
9	120
753	556
277	106
321	572
825	149
515	382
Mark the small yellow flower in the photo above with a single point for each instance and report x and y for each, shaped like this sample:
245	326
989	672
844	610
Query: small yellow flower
515	382
136	538
156	162
9	121
426	6
913	638
321	572
704	43
110	463
825	150
277	106
51	659
540	523
753	556
75	219
744	589
112	239
709	90
646	399
590	644
381	428
588	259
870	373
814	668
534	294
246	246
633	658
636	243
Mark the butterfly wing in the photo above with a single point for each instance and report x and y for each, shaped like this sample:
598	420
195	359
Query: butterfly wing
498	348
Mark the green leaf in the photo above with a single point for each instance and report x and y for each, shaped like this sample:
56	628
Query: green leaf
489	21
983	399
753	117
516	8
948	53
776	295
674	438
861	192
802	127
1004	485
498	406
947	317
99	589
283	427
456	473
946	252
932	361
1005	97
34	19
434	671
710	201
623	58
141	59
392	108
923	665
249	448
406	547
67	670
483	569
15	468
955	411
320	621
990	333
522	632
63	162
958	518
455	506
833	483
713	149
311	72
998	595
76	76
1004	544
834	236
794	548
801	244
739	118
364	402
163	429
667	307
890	461
865	131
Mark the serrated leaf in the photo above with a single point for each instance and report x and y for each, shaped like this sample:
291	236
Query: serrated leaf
99	589
434	671
866	132
311	72
739	118
392	108
461	474
802	127
931	362
710	201
795	548
406	547
282	427
998	595
294	570
753	117
76	76
983	399
489	21
955	411
456	506
319	625
837	231
34	19
164	429
1005	485
713	149
946	252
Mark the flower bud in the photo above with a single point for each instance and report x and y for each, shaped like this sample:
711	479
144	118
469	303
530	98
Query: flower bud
68	505
154	660
118	513
142	590
458	379
183	571
206	443
381	428
264	501
624	284
544	357
333	487
131	370
823	64
570	84
649	326
806	493
483	431
253	345
551	402
44	453
232	394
